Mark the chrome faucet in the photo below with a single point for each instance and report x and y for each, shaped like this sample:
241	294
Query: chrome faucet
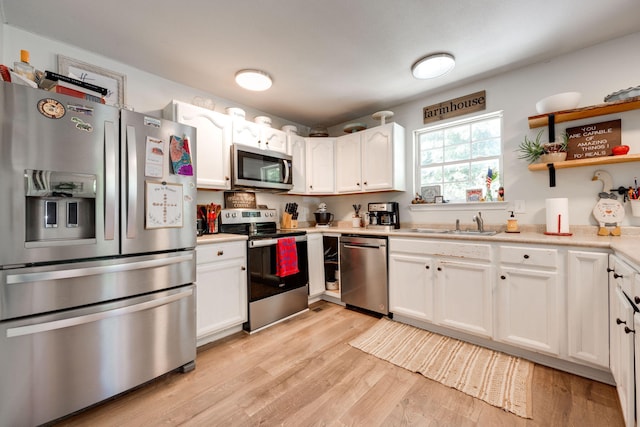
479	221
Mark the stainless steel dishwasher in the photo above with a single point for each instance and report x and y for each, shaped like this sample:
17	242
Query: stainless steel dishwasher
363	272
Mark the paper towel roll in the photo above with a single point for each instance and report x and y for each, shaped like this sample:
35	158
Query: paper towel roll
557	215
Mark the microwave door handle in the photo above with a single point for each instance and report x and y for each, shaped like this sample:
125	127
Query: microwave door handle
110	205
132	179
287	168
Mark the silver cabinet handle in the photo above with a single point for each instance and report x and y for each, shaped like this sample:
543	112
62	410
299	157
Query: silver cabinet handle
90	271
110	205
132	172
88	318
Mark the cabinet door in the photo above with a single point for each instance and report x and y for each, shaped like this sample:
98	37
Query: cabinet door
348	167
213	148
273	139
528	309
622	352
221	292
320	165
463	296
588	307
246	133
377	159
315	251
297	150
411	286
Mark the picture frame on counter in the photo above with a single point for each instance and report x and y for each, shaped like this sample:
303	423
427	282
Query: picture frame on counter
115	83
474	194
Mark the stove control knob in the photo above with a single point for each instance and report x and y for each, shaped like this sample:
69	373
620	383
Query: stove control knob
227	214
233	215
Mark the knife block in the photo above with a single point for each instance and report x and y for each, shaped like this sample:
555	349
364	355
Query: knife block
288	222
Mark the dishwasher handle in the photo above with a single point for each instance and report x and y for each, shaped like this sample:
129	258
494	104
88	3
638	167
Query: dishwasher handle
363	246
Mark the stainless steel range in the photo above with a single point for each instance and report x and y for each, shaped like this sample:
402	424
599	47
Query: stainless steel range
271	297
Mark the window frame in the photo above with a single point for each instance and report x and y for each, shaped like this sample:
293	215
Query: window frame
417	169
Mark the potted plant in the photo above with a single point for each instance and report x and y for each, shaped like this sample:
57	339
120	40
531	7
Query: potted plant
555	151
534	150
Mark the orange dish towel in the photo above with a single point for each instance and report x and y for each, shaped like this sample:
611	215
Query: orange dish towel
286	257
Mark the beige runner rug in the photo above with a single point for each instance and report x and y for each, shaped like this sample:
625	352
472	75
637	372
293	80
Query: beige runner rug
497	378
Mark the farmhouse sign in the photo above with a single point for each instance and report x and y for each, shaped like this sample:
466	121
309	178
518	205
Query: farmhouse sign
455	107
594	140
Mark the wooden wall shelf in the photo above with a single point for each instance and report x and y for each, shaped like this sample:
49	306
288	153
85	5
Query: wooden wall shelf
607	160
586	112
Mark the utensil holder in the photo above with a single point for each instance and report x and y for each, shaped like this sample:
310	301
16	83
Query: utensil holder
287	221
635	207
355	221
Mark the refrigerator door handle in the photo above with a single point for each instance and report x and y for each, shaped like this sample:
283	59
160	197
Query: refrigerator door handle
110	205
132	179
91	271
88	318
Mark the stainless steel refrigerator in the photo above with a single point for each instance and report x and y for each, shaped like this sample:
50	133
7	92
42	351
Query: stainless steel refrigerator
97	259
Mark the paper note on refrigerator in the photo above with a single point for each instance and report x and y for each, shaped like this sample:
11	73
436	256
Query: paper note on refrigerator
180	156
154	155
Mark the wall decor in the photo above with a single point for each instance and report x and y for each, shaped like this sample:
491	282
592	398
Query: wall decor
474	194
114	82
593	140
455	107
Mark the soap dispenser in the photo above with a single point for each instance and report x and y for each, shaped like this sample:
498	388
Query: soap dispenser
512	224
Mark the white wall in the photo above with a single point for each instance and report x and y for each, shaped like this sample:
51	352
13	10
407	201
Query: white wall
595	72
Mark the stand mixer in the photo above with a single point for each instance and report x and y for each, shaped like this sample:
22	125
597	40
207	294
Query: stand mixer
323	218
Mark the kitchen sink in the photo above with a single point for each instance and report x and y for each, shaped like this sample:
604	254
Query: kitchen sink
423	230
472	232
445	231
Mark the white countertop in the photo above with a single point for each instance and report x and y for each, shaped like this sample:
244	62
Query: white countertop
627	245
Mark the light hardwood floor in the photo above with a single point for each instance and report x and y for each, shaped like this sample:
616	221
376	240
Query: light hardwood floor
303	372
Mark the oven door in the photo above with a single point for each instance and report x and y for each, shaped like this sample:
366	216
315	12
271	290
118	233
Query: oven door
253	167
263	281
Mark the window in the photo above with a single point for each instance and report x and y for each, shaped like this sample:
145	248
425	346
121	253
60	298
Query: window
454	159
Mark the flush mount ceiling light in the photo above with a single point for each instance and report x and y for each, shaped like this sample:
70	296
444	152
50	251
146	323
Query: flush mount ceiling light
432	66
253	80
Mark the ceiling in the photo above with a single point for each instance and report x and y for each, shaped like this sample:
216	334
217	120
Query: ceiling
331	60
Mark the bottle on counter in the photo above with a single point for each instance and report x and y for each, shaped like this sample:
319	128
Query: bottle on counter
23	67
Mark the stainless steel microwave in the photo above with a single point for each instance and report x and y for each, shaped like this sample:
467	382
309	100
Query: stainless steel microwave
256	168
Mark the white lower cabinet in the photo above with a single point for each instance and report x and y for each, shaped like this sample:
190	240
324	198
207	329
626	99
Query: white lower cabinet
446	283
463	296
221	283
315	252
588	307
411	294
621	282
528	309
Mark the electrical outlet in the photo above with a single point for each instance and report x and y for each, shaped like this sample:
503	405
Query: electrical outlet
519	206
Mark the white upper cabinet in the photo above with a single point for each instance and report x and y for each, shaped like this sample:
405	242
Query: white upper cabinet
371	160
348	163
213	142
297	149
320	166
258	136
383	158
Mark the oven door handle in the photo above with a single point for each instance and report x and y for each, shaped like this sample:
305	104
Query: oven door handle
260	243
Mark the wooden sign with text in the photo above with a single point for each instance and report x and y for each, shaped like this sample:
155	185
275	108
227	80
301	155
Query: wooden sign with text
593	140
455	107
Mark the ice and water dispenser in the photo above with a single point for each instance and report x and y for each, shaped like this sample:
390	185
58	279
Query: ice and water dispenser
59	205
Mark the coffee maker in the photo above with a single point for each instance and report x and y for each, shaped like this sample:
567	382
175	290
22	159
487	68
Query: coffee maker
384	215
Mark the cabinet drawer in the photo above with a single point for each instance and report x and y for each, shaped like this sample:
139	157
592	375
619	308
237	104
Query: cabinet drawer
220	252
540	257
